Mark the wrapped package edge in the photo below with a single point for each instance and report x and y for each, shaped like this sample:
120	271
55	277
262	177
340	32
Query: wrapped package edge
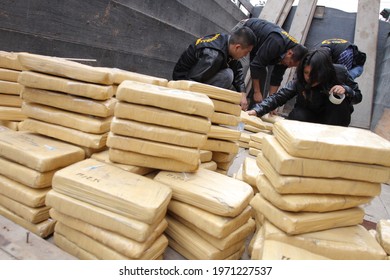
182	101
117	242
296	184
304	222
65	68
195	244
343	243
309	202
157	133
102	218
213	224
350	144
286	164
143	160
152	148
114	189
208	190
70	103
58	84
85	123
38	152
212	92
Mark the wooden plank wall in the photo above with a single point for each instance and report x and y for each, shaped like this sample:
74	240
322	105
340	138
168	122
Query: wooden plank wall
275	10
300	27
366	33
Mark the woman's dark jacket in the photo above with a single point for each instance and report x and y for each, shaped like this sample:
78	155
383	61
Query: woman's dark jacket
315	100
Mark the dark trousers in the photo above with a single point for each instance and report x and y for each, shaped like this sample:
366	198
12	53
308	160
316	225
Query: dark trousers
331	114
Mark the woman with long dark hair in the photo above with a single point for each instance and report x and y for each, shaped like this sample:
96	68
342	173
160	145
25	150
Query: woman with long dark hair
324	91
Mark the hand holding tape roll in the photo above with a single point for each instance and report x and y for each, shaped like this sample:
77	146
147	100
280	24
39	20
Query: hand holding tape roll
335	98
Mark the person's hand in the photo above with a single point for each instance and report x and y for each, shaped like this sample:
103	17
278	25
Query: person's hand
251	113
274	113
337	89
257	96
244	102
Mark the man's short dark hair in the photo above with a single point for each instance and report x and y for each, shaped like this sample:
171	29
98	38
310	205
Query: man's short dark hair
299	51
243	36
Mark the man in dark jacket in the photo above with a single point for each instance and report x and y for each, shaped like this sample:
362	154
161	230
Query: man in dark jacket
274	47
346	53
213	59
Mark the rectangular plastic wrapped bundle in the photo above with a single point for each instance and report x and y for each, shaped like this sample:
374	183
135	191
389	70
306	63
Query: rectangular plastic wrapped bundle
10	101
310	140
303	222
344	243
213	224
65	68
223	133
209	191
9	75
308	202
121	244
9	60
255	122
22	193
99	217
250	171
224	119
296	184
70	103
34	215
193	243
157	133
211	91
25	175
12	88
11	114
114	189
102	251
66	134
158	116
238	235
73	87
42	229
383	234
137	159
153	148
182	101
226	107
76	121
217	145
286	164
104	157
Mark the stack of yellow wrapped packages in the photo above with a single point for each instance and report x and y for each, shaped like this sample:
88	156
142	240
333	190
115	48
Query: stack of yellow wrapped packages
159	127
255	124
10	101
27	164
315	180
105	212
223	135
67	100
255	143
209	217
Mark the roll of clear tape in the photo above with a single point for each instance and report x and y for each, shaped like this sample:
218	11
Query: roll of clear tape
336	100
